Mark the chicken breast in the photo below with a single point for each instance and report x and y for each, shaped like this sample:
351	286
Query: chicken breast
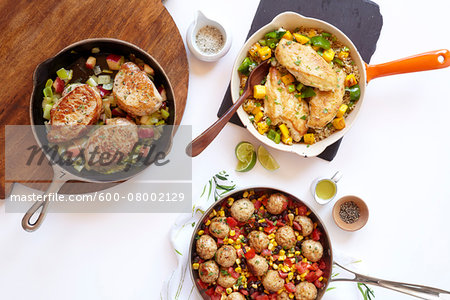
110	144
70	115
306	65
283	107
134	92
325	105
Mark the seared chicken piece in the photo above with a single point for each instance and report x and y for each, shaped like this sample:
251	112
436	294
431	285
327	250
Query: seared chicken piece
69	117
283	107
325	105
110	144
135	92
306	65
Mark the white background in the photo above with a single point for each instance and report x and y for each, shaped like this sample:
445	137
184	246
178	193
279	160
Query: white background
396	157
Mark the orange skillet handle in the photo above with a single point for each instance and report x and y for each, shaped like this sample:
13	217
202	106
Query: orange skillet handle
420	62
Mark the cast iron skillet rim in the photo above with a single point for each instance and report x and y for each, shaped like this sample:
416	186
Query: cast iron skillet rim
268	189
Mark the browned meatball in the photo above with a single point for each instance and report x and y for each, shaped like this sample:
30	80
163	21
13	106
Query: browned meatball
206	247
257	265
305	223
312	250
277	203
305	291
242	210
225	279
258	240
272	281
219	227
283	296
226	256
235	296
208	271
285	237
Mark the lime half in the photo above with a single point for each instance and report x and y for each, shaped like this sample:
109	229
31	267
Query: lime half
244	152
267	160
247	165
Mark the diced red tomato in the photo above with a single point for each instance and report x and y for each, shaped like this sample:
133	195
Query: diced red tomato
313	276
285	205
270	229
267	252
252	278
257	204
318	284
302	210
275	257
280	224
315	235
313	267
250	253
273	296
58	85
233	273
219	241
254	295
264	201
322	264
145	132
244	292
206	230
239	252
232	222
290	287
283	274
319	273
290	203
216	297
203	285
301	267
288	262
262	297
210	291
296	226
219	289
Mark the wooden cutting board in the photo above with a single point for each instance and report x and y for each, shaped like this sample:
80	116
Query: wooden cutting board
32	31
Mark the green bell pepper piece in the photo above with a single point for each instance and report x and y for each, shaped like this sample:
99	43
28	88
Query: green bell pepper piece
321	42
308	92
355	92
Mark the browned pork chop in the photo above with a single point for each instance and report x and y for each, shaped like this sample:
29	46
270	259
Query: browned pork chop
135	92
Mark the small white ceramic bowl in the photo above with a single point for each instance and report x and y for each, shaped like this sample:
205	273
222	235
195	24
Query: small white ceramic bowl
200	21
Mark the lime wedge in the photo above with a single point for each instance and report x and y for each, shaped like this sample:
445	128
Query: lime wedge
244	152
248	165
267	160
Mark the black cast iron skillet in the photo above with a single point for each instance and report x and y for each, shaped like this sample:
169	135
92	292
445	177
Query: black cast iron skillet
64	172
418	291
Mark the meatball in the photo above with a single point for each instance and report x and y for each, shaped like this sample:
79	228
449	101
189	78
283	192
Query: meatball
206	247
272	281
277	203
257	265
235	296
219	227
258	240
225	279
312	250
305	223
242	210
226	256
283	296
208	271
285	237
305	291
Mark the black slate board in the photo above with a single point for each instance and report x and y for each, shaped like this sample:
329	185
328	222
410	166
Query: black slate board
360	20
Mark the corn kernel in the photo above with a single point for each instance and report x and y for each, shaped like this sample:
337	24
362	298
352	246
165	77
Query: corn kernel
208	222
245	285
259	116
235	288
287	79
230	201
271	246
320	278
245	195
291	275
195	266
275	266
301	38
309	138
328	55
280	291
299	238
288	35
229	290
343	54
291	296
221	213
270	263
308	213
305	260
238	269
254	49
261	220
281	258
290	255
282	252
304	274
264	52
284	130
350	80
342	110
297	253
271	236
213	213
259	91
339	123
296	233
275	243
291	218
232	233
201	232
261	229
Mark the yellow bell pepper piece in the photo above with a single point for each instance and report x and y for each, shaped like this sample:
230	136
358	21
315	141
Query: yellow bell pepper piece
328	55
258	117
287	79
256	110
284	130
312	33
342	109
301	38
263	127
350	80
259	91
339	123
309	138
288	35
287	141
343	54
264	52
254	49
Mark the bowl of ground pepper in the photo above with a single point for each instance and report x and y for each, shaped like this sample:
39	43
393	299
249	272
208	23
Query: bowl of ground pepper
350	213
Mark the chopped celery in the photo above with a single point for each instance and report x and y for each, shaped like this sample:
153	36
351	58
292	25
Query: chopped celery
164	114
108	86
63	74
49	83
47	100
271	134
48	92
268	121
47	109
104	79
97	70
338	61
91	82
107	71
160	122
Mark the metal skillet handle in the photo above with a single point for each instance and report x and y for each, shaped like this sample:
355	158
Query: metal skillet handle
432	60
419	291
59	178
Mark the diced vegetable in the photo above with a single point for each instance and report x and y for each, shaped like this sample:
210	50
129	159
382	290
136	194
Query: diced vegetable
95	50
146	132
265	52
49	83
91	81
69	76
291	88
259	116
274	136
48	92
342	54
287	79
288	35
339	123
263	127
254	49
256	110
149	70
328	55
301	38
58	85
108	86
245	65
97	70
338	62
286	140
47	100
355	92
308	92
47	109
342	109
90	62
321	42
262	42
104	79
350	80
312	33
251	118
259	91
284	130
117	112
268	121
309	138
299	87
63	74
326	34
165	113
103	92
114	61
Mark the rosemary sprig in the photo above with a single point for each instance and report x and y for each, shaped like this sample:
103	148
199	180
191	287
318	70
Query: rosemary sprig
366	291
